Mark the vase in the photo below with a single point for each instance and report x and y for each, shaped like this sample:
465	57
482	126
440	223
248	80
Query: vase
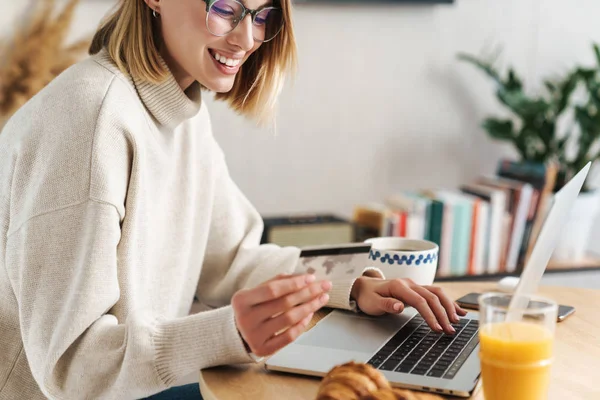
574	241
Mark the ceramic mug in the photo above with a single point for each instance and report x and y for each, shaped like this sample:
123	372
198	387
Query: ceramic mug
404	258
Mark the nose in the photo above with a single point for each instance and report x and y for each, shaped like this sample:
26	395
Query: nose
242	35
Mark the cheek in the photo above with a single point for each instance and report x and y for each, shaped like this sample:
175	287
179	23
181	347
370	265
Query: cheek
256	47
184	31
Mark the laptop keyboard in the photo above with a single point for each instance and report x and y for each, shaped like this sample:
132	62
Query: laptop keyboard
417	350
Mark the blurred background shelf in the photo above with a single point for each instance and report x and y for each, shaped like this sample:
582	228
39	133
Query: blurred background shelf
589	263
592	263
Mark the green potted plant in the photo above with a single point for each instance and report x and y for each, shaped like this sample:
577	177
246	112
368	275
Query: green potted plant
562	125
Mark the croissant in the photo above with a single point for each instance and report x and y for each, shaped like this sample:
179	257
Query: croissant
355	381
351	381
399	394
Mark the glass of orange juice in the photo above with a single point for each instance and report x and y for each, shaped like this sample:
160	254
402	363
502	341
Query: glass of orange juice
516	356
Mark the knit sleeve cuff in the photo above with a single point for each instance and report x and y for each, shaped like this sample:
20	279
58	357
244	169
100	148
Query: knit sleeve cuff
339	296
189	344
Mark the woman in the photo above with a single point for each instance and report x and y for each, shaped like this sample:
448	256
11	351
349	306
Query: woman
117	208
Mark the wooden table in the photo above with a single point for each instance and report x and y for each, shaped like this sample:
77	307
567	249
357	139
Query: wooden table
576	369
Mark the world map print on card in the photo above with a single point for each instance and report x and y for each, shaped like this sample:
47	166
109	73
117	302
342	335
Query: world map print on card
333	262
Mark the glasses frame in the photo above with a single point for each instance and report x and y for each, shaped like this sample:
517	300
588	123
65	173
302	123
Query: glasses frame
245	11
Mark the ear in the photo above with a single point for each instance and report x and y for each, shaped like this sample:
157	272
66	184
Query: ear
154	5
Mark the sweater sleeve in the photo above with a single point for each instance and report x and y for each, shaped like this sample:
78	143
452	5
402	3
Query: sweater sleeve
62	267
235	259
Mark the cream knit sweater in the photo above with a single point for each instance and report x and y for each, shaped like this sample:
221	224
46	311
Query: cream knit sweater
116	208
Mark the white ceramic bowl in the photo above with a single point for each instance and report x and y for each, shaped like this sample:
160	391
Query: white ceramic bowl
404	258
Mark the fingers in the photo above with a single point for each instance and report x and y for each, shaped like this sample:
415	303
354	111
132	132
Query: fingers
266	311
293	316
403	291
435	304
276	306
447	303
283	339
460	311
276	288
391	305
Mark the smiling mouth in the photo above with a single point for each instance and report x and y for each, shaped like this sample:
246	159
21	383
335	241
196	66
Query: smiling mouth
226	62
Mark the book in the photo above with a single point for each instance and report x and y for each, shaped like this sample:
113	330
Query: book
480	257
307	230
542	177
462	214
440	220
446	239
371	216
436	221
521	193
413	211
497	221
479	235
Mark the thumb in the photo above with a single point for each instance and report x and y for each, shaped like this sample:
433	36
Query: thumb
391	305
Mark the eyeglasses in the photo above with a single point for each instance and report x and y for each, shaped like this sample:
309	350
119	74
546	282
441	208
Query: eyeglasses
223	16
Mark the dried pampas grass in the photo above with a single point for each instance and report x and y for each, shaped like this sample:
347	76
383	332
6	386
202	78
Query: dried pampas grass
36	54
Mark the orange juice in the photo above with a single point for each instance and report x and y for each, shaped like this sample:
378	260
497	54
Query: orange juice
515	360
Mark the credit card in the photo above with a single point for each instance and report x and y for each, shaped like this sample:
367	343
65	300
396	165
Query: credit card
334	261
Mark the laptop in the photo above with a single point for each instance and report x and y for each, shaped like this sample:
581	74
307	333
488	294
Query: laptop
408	353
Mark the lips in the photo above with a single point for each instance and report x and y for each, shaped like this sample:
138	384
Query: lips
226	61
225	65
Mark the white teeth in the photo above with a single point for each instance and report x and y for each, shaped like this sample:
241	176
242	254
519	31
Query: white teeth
230	62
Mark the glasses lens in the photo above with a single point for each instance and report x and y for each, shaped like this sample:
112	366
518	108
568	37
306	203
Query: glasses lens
223	16
267	24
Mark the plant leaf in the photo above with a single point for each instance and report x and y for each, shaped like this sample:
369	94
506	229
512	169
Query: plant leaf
585	73
522	105
551	86
499	129
566	89
513	82
486	67
597	53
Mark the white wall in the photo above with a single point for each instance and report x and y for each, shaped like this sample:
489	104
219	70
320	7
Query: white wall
381	103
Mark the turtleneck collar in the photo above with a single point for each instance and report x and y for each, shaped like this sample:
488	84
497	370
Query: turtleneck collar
166	101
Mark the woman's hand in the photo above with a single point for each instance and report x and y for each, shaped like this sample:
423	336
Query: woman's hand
376	297
276	312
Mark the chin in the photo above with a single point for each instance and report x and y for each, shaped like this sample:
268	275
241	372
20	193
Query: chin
218	86
225	88
216	76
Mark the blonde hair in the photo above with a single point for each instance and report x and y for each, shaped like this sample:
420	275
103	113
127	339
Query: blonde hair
133	41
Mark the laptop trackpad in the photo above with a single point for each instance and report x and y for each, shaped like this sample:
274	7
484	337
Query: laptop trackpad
355	332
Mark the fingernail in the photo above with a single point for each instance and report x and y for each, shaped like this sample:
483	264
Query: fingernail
324	298
456	318
310	278
451	329
438	327
326	285
307	319
397	306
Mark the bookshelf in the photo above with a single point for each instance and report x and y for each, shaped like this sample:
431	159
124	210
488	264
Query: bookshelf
591	263
329	229
483	227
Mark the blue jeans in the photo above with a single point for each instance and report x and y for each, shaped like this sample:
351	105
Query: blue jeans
187	392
